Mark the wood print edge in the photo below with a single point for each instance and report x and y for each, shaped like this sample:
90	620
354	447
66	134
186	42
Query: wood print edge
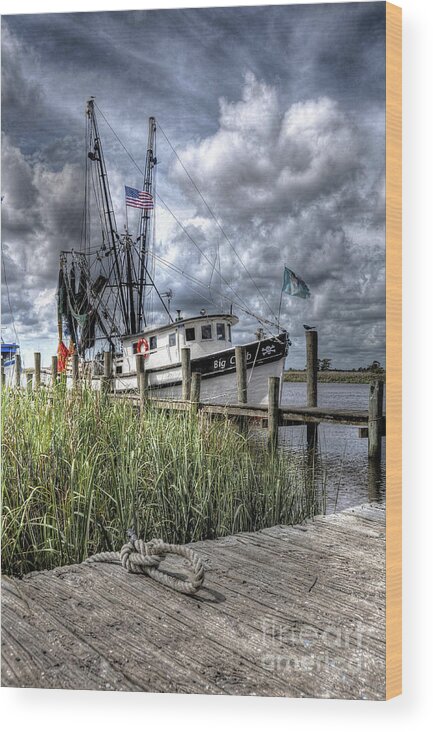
393	351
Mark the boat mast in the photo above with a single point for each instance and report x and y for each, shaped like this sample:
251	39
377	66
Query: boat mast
97	156
130	283
148	186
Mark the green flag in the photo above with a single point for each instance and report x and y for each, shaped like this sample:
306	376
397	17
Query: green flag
294	285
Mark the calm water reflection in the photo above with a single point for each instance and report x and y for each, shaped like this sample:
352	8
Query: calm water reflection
343	467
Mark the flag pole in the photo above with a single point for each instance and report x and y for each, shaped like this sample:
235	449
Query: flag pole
279	306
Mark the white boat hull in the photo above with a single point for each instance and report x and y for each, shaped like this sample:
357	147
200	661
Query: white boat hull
218	374
221	389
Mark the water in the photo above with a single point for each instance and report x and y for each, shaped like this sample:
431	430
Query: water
343	462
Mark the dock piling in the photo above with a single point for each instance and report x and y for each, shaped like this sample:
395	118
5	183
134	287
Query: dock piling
312	350
312	353
3	377
374	480
17	370
375	415
29	380
185	360
143	382
75	375
195	392
241	382
273	411
37	361
139	365
108	372
241	374
53	370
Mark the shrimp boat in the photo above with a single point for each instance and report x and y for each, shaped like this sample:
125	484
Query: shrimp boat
108	297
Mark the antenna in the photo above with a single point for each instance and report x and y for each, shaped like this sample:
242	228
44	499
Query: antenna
169	296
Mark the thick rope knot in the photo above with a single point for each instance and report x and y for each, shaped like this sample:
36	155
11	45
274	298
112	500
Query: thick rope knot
138	554
141	557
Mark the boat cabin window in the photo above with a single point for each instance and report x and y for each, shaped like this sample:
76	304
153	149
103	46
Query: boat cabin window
229	332
172	339
153	343
190	334
206	332
221	332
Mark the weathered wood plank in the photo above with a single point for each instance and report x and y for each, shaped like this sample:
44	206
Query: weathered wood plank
288	414
35	645
315	415
294	611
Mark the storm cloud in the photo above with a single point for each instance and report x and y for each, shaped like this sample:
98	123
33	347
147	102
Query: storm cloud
277	114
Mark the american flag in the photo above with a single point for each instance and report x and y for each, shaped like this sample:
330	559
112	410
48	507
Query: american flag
138	199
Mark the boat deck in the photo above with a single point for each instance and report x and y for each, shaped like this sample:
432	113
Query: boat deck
287	611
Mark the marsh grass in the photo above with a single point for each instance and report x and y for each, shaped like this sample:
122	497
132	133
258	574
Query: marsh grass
79	469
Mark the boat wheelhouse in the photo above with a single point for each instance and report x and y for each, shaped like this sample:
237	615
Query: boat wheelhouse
161	345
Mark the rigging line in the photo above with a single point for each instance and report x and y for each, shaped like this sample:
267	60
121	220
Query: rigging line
152	248
9	299
110	317
98	301
200	294
135	261
159	295
100	207
108	209
216	220
173	267
118	139
170	265
165	204
213	267
254	362
199	248
83	238
175	217
90	183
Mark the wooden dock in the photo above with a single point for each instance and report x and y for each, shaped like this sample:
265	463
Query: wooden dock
288	414
287	611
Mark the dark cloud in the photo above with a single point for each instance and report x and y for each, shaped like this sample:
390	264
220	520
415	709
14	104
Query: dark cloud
293	186
277	112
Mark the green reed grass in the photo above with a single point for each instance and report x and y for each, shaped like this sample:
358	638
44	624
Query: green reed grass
79	469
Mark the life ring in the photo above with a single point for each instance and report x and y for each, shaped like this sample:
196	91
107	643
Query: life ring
143	347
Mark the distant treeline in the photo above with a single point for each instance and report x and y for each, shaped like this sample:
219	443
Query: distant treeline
347	377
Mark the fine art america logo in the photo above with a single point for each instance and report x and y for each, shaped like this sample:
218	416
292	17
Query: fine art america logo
302	647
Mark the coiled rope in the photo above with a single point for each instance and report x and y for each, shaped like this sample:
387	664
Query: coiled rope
144	557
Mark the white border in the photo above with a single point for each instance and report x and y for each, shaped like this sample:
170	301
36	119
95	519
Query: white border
53	710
